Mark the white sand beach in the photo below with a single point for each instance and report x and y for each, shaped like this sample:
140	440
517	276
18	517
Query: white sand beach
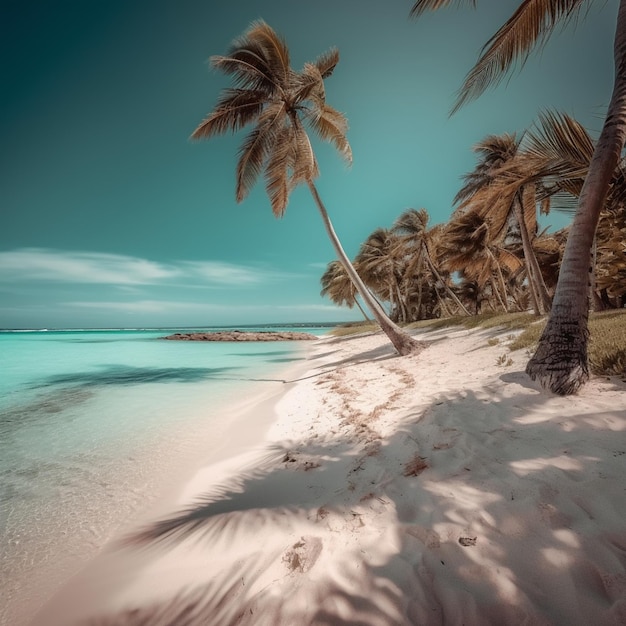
440	488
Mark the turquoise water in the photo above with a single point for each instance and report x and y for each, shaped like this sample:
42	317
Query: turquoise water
94	423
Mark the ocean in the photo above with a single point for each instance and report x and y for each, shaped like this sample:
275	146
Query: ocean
95	424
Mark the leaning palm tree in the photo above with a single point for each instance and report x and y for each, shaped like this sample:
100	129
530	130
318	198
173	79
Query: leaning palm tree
279	102
560	363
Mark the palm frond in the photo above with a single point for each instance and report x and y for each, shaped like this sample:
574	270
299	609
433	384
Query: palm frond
422	6
302	157
558	150
327	62
312	87
559	137
331	125
533	22
509	260
306	83
247	69
411	223
274	51
256	148
494	152
234	109
564	202
277	172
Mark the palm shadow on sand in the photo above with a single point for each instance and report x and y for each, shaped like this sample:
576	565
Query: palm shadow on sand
430	578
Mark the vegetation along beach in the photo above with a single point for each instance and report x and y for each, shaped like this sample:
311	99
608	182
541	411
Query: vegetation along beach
328	329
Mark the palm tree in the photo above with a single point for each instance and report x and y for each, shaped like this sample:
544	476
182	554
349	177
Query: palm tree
336	284
279	102
506	198
560	363
412	226
468	248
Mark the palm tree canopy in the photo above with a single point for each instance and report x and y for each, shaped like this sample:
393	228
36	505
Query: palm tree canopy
532	23
277	100
494	151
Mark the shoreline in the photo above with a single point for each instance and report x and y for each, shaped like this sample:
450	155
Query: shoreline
158	472
443	487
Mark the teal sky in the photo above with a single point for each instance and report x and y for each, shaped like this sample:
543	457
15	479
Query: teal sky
111	217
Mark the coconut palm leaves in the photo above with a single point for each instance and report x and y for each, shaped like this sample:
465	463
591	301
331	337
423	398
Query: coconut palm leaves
280	104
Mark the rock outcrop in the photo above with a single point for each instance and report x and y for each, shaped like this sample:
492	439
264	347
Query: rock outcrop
239	335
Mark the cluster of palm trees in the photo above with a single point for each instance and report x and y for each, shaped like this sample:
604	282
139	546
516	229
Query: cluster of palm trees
560	362
494	225
491	255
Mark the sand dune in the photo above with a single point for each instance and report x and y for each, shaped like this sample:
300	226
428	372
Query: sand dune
440	488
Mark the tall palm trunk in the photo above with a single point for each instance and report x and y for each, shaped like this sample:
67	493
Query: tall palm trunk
535	279
401	341
505	294
449	291
560	363
367	319
496	292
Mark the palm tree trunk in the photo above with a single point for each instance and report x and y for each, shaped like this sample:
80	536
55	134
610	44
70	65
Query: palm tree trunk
401	303
505	294
533	271
367	319
560	363
533	293
496	292
596	300
449	291
445	311
401	341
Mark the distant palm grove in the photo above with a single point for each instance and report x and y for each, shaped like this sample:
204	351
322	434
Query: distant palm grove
491	254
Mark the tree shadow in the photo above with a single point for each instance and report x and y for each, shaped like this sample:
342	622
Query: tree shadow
128	375
517	488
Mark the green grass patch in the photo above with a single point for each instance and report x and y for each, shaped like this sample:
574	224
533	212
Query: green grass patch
354	328
607	334
506	321
607	341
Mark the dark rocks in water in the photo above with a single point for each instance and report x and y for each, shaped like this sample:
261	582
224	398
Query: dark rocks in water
239	335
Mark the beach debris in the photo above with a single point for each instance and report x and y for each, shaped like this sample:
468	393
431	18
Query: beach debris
415	466
305	465
303	555
467	541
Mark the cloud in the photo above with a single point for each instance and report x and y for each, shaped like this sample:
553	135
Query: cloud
230	274
42	264
165	306
145	306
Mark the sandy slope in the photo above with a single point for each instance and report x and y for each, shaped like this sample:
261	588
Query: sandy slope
441	488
